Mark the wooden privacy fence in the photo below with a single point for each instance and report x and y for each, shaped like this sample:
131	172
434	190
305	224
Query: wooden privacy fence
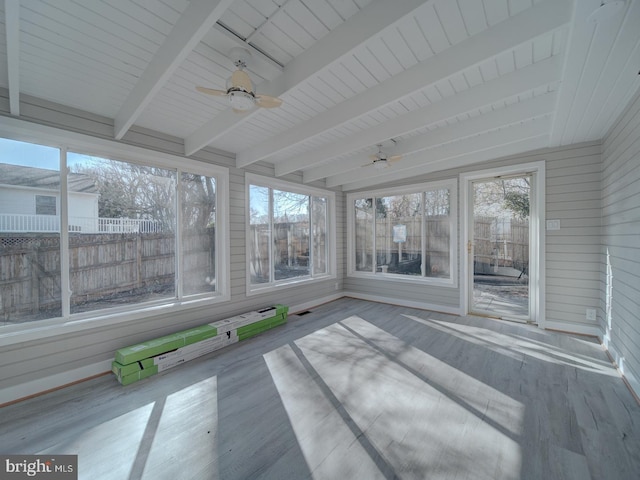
397	256
290	250
500	242
101	266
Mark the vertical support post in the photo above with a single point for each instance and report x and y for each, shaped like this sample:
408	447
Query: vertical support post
138	260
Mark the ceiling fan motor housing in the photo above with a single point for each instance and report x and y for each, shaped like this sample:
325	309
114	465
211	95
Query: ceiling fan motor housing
241	100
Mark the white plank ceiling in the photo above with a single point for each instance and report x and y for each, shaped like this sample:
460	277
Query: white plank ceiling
441	82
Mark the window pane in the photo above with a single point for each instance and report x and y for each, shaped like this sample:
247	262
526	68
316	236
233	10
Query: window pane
198	233
364	234
29	232
399	234
291	234
437	239
46	205
319	224
122	233
259	234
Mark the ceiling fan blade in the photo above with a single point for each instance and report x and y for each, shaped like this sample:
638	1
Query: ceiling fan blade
240	112
266	101
211	91
240	79
394	158
374	157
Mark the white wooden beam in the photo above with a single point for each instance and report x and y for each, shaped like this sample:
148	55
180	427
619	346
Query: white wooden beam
523	80
195	23
350	169
436	156
12	29
366	24
492	153
541	18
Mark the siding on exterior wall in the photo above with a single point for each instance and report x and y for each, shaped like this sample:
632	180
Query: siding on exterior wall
38	362
572	253
621	242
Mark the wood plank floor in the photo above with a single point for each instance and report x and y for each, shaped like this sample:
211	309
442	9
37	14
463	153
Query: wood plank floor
353	390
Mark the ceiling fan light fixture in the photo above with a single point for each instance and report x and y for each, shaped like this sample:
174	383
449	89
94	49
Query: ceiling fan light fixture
380	163
240	93
240	100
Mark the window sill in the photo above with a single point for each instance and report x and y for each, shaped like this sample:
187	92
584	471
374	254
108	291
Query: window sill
397	278
41	329
271	287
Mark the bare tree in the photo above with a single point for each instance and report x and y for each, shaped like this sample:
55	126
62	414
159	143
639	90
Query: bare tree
511	194
135	191
198	201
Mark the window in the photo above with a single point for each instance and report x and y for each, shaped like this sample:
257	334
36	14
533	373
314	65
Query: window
135	235
288	233
127	253
404	234
45	205
30	262
198	220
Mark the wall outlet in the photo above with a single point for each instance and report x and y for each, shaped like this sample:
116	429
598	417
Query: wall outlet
337	286
591	314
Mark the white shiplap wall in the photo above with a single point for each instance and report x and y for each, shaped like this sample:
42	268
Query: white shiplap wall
572	253
33	366
621	242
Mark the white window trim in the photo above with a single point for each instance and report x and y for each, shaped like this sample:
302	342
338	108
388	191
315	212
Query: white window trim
452	282
20	130
274	183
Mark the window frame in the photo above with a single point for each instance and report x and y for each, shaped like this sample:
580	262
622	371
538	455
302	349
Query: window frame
271	184
452	186
65	141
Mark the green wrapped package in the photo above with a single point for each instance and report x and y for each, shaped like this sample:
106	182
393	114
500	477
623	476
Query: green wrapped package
254	329
143	360
249	318
164	344
138	370
134	377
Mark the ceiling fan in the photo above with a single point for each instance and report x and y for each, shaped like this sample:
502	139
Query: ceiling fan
380	159
239	90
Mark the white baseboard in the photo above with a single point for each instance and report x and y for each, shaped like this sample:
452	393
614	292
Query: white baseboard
314	303
630	379
404	303
41	385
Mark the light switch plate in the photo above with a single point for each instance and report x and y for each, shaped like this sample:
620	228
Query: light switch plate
553	224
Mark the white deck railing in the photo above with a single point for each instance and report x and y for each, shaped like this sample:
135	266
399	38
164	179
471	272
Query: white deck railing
18	223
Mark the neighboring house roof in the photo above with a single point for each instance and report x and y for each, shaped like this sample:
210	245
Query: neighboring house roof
42	178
